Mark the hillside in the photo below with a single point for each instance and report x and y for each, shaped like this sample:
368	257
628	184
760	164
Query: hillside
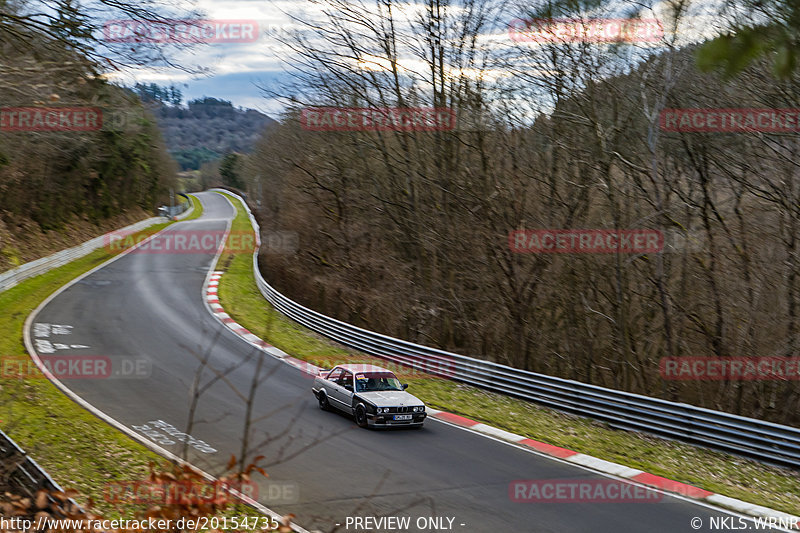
207	129
64	181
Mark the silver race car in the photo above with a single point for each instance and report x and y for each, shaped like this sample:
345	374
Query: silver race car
373	395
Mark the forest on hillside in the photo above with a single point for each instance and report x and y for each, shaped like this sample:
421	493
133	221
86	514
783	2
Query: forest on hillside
205	129
407	232
52	178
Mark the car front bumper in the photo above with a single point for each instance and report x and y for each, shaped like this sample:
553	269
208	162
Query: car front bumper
385	420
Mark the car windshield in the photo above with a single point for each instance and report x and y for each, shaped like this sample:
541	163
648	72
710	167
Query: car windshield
377	381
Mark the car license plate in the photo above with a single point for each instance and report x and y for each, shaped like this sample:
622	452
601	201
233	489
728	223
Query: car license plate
402	417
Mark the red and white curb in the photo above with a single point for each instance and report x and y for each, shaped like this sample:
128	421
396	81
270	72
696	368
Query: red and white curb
212	299
587	461
618	470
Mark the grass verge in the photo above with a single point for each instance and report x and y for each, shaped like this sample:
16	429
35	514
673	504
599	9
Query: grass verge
198	209
736	477
77	449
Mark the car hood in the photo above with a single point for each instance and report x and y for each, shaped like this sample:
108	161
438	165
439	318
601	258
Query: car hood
390	398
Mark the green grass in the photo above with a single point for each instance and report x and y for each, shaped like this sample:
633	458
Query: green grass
243	300
198	209
77	449
12	256
778	488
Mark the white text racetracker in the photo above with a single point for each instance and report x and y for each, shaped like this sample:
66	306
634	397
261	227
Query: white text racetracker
401	523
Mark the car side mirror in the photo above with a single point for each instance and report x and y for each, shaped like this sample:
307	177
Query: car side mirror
405	386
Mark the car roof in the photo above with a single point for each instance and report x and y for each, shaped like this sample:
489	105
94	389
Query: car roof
363	368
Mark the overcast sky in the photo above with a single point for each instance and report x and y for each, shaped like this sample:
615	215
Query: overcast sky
238	68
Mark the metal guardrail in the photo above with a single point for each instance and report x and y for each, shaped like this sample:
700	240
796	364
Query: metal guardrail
21	472
18	274
171	211
757	439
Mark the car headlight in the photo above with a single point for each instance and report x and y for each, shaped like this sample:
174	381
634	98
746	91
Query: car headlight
419	409
383	409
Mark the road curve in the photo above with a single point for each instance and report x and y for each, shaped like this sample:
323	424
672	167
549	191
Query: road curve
324	469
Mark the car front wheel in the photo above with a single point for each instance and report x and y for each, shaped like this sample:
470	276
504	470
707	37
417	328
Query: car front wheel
323	402
361	416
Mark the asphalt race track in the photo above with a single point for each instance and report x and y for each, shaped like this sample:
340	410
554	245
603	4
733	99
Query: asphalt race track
322	467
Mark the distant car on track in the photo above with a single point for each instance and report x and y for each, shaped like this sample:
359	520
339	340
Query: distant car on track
373	395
